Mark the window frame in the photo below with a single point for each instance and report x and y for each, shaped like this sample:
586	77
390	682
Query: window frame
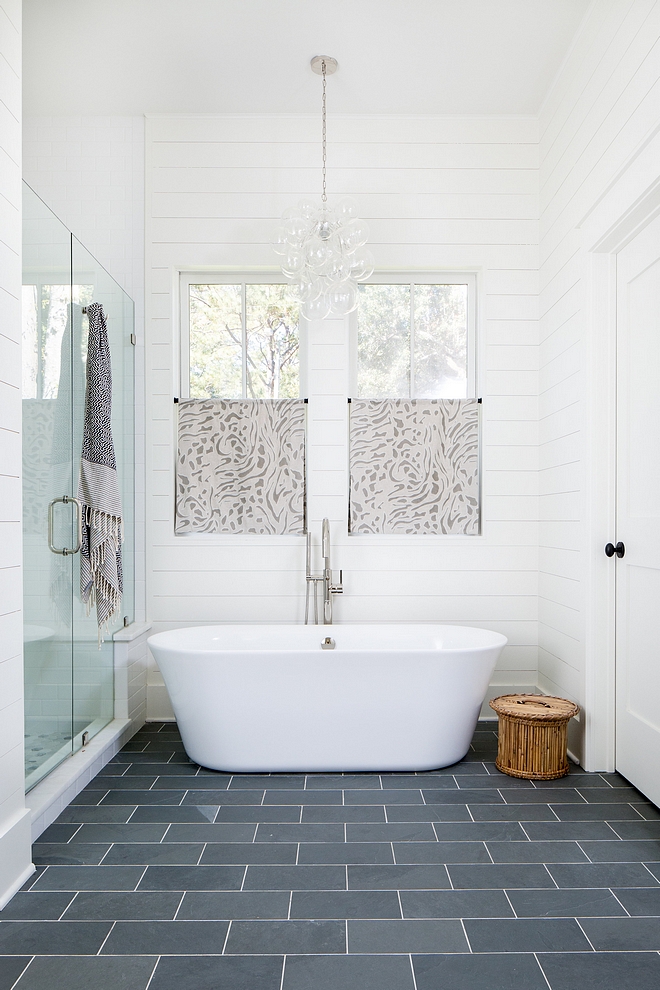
412	278
242	278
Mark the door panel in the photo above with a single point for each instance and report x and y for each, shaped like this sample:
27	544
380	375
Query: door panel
638	512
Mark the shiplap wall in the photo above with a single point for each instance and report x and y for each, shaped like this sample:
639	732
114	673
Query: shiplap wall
14	820
439	194
604	103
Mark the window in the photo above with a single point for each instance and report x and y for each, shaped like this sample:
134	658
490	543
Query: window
415	338
240	339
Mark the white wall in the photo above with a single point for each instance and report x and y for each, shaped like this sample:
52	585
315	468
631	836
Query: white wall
438	193
605	102
90	172
15	858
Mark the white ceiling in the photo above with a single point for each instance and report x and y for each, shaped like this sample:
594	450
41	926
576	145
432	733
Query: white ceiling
252	56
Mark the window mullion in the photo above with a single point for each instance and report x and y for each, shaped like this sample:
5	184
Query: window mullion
244	340
412	340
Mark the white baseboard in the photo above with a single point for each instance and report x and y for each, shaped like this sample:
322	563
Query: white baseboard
15	856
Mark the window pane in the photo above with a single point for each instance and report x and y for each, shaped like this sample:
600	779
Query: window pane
440	341
54	319
216	343
383	342
273	360
30	361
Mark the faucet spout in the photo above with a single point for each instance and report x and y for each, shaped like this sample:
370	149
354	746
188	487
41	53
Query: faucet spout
325	578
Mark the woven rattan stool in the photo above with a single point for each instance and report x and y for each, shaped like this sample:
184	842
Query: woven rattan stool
532	735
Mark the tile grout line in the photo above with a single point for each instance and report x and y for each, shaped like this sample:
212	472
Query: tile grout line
288	915
506	894
542	970
577	843
106	938
283	968
620	902
141	878
224	944
152	973
412	970
398	894
68	905
15	983
462	921
198	863
244	878
577	921
178	907
545	867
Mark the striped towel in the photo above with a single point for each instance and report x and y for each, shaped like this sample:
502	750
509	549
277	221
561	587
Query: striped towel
98	488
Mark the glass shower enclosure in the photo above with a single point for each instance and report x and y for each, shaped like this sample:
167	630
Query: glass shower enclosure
69	680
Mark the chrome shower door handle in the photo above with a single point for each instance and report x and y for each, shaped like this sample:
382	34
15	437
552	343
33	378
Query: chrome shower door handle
65	499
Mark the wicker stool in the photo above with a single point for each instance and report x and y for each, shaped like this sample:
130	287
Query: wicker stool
532	734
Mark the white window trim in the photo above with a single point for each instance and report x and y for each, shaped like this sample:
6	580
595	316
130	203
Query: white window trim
425	278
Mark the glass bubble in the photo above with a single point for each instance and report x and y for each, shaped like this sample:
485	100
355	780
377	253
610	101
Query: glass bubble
347	208
307	209
339	268
317	309
291	213
296	229
310	288
362	264
279	241
318	255
343	298
356	234
294	261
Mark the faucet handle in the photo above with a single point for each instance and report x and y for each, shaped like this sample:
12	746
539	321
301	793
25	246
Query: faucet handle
338	589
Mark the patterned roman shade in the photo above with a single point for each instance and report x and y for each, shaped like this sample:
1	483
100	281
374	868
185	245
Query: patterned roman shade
414	466
241	466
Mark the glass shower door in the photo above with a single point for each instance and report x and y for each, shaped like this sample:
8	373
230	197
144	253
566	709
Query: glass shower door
49	523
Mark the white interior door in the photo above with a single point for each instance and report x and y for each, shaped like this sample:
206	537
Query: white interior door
638	512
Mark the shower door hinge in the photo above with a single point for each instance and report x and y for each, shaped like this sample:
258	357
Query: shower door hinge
133	339
85	739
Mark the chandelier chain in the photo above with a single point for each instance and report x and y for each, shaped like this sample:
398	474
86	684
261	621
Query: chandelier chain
324	196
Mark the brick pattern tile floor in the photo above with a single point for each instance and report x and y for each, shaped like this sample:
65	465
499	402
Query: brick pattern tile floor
162	874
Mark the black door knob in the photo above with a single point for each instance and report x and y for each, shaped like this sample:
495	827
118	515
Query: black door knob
619	549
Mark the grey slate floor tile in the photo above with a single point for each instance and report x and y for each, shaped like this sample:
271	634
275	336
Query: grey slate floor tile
273	937
234	904
295	878
123	906
339	904
566	903
455	904
637	900
191	877
623	934
526	935
602	875
502	876
74	938
32	906
270	853
155	938
340	879
217	973
601	970
406	877
84	972
537	852
11	968
351	972
494	971
406	936
90	878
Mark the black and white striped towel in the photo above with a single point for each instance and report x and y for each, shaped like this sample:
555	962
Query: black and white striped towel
98	489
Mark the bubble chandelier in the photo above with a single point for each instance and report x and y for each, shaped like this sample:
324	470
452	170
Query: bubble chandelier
323	248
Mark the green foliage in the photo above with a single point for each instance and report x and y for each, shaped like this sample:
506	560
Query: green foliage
384	341
216	341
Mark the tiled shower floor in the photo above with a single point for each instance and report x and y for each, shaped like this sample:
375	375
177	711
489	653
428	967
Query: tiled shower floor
165	876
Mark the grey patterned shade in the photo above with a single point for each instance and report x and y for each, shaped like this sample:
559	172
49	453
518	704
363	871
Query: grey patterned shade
414	466
241	466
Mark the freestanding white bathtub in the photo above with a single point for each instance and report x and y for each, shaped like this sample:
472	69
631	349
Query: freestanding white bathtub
269	698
